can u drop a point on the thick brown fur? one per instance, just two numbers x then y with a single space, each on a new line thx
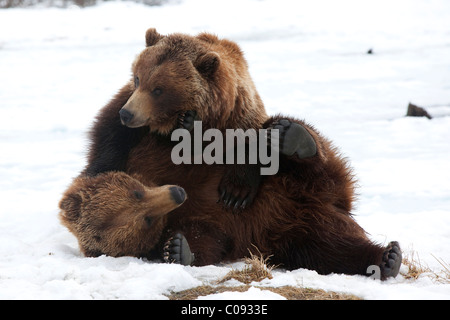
178 73
173 75
301 216
115 214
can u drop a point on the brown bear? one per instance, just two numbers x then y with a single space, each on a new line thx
301 215
176 79
116 215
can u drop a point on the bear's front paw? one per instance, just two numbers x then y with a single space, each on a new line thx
294 138
239 186
186 119
176 250
392 259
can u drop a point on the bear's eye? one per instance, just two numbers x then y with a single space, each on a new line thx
148 221
138 194
157 92
136 82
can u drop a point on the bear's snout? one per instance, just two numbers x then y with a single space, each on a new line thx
125 116
178 194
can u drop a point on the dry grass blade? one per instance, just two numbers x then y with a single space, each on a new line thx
416 269
446 272
256 269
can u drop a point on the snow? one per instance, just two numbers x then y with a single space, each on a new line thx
308 59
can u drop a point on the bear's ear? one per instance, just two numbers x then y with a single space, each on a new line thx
70 206
207 64
152 37
208 37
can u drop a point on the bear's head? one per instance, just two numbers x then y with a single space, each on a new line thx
179 73
116 215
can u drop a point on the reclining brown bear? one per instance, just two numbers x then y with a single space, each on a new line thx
301 215
115 214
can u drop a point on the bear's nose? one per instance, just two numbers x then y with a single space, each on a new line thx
178 194
125 116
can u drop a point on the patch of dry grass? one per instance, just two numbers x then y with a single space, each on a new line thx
416 268
445 273
296 293
194 293
256 269
289 292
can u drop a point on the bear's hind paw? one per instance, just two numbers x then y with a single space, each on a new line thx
392 259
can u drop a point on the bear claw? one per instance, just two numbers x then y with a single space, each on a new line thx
236 203
176 250
239 187
294 138
186 119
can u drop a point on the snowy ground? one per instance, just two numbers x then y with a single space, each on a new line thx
58 67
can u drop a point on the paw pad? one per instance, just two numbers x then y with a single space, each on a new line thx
176 250
294 138
391 261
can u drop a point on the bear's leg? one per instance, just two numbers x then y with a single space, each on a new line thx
110 141
335 243
239 184
209 247
347 255
202 240
294 138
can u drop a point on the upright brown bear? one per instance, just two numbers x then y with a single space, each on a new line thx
301 216
176 79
